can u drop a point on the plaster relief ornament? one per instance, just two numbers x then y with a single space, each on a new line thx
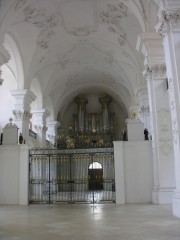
172 104
40 19
114 13
82 31
19 4
165 134
168 20
62 61
112 17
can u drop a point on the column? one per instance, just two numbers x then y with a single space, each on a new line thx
105 102
163 156
169 28
21 112
4 58
81 103
40 125
52 131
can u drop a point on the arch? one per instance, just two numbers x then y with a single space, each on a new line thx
50 108
64 101
36 89
16 60
95 165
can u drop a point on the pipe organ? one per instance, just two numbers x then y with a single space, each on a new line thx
90 129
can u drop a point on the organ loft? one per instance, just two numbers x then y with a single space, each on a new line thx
89 130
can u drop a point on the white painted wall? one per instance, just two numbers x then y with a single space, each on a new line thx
136 181
138 172
14 174
133 173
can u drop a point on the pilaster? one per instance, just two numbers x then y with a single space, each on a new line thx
163 157
21 112
169 28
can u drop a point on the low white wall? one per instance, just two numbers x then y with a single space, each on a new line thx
133 173
137 174
14 174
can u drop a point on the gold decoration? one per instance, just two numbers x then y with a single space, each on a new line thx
69 142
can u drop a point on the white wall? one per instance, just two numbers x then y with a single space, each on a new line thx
138 172
14 174
133 173
135 158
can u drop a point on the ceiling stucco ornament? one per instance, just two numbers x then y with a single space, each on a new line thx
112 17
62 61
20 3
40 19
114 13
168 20
76 23
109 58
81 31
122 39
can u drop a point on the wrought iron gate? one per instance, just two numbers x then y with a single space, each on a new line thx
71 176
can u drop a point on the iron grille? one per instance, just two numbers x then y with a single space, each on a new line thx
71 176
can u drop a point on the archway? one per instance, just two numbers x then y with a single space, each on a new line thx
95 176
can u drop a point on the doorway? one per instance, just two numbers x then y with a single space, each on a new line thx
95 176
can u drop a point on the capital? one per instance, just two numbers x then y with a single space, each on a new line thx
168 20
22 115
156 71
40 128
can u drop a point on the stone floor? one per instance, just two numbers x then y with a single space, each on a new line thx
87 222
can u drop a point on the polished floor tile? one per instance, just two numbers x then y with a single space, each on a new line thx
87 222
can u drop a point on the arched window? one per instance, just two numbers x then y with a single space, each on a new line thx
95 165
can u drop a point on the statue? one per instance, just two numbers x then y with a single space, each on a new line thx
146 134
20 138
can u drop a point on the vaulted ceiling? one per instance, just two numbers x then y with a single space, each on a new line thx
68 47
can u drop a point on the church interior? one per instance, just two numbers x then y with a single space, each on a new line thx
90 116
